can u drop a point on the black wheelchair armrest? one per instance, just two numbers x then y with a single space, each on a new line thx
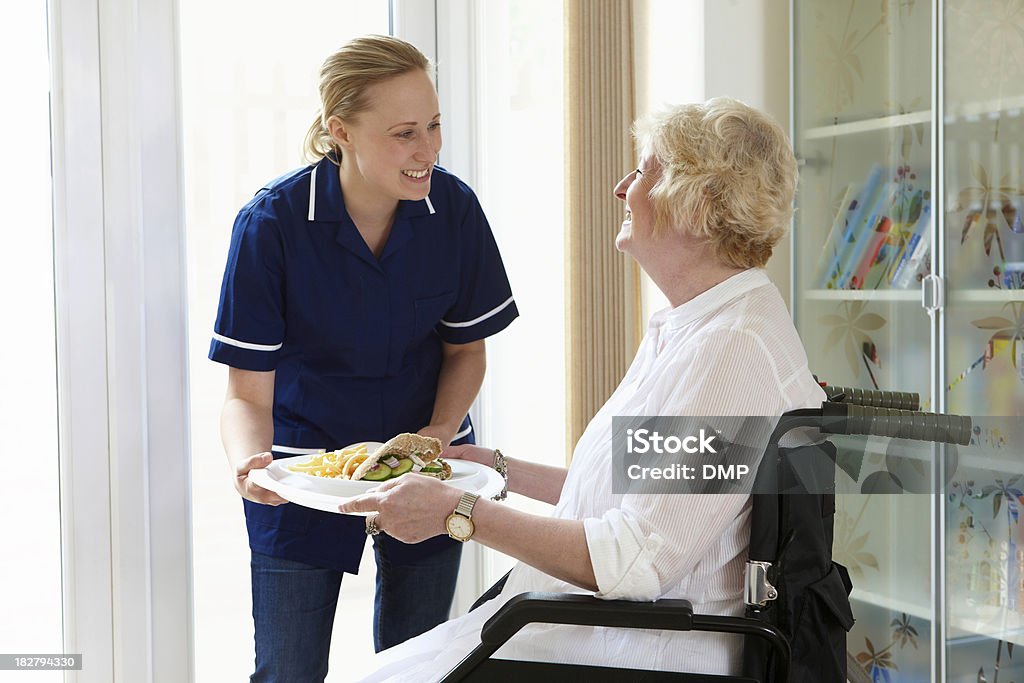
586 610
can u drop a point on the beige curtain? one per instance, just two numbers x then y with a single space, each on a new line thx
603 289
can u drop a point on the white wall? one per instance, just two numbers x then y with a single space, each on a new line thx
746 56
690 50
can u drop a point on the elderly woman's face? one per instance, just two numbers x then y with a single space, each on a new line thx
634 189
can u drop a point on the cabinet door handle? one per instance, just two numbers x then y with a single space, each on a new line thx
931 292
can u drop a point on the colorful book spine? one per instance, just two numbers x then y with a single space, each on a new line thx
915 251
864 233
1013 250
834 241
871 255
855 216
903 230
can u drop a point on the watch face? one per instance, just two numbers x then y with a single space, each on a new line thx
460 527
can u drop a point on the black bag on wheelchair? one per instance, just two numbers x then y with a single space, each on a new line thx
792 581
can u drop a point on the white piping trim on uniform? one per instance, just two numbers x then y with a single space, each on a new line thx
297 451
312 195
463 433
485 316
430 207
247 345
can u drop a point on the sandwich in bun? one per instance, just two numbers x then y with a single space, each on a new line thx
404 453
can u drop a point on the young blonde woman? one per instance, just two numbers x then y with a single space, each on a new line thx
356 299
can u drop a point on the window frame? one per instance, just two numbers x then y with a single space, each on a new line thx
121 345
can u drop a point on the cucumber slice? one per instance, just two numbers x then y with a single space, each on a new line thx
378 472
403 466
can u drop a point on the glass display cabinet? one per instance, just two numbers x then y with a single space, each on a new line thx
908 274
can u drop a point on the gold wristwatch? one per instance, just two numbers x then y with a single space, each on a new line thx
460 522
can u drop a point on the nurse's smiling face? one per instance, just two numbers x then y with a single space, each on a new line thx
389 149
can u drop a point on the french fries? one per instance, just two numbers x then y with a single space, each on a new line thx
334 464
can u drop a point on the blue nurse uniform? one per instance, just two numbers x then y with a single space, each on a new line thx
355 341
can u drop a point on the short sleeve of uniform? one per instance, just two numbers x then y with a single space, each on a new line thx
249 330
485 304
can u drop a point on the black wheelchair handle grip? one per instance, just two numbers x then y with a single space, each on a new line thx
843 418
900 400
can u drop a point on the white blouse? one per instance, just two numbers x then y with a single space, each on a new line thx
729 351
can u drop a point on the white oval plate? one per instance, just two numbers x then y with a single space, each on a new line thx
323 493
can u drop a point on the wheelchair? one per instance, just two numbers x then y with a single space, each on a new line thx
797 608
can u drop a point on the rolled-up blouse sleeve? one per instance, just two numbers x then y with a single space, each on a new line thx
641 550
647 545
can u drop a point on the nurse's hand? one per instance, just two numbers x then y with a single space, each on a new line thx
478 454
410 508
249 490
445 434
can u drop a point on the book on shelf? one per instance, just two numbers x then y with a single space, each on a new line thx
881 233
836 234
908 213
915 251
1012 275
864 233
898 225
876 241
853 216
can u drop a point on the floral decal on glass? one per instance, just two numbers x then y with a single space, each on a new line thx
907 135
879 663
1008 331
849 546
992 204
903 632
984 558
995 31
839 64
850 332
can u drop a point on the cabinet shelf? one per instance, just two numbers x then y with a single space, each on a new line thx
998 623
956 296
868 125
990 622
969 112
986 295
894 604
973 111
863 295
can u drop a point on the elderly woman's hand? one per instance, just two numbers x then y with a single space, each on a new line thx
411 508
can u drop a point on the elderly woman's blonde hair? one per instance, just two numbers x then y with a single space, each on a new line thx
728 177
345 77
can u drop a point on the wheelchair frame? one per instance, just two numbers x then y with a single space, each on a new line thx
847 411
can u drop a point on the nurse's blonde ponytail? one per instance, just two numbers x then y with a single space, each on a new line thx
345 77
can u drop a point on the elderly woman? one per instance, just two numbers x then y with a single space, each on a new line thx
710 199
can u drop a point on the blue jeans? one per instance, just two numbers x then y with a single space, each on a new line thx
293 606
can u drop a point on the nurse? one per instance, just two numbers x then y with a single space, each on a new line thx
356 299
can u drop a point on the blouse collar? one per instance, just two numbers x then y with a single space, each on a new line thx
711 300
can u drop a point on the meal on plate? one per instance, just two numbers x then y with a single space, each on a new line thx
400 455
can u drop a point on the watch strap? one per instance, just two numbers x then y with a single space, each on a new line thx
466 503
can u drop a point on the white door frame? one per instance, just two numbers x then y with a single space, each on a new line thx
121 340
